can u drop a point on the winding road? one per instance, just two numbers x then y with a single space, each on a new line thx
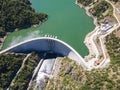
101 39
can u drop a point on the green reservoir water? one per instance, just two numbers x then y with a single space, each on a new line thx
66 20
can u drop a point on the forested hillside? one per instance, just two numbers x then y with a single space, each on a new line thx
85 2
9 65
113 47
23 78
17 14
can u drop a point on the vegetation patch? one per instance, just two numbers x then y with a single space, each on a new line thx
23 78
113 47
70 77
118 33
101 10
85 2
9 65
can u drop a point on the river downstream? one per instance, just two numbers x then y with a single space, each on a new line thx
67 21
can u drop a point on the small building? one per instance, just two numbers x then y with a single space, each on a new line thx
105 28
97 62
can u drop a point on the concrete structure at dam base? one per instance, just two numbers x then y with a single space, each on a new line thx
47 44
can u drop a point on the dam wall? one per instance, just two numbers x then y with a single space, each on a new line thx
47 44
42 45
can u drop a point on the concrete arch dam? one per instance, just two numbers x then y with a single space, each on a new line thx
47 44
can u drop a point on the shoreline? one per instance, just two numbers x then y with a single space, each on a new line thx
15 30
94 55
88 13
86 40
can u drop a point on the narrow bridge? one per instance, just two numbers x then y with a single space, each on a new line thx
47 44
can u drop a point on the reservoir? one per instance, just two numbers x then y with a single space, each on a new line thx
66 21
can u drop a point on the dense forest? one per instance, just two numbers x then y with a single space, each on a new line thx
85 2
22 80
17 14
72 77
9 65
113 47
100 10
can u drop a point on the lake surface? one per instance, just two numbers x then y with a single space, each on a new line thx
66 20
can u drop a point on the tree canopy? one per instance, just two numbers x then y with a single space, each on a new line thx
85 2
17 14
9 65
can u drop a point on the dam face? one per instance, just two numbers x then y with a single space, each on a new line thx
44 44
